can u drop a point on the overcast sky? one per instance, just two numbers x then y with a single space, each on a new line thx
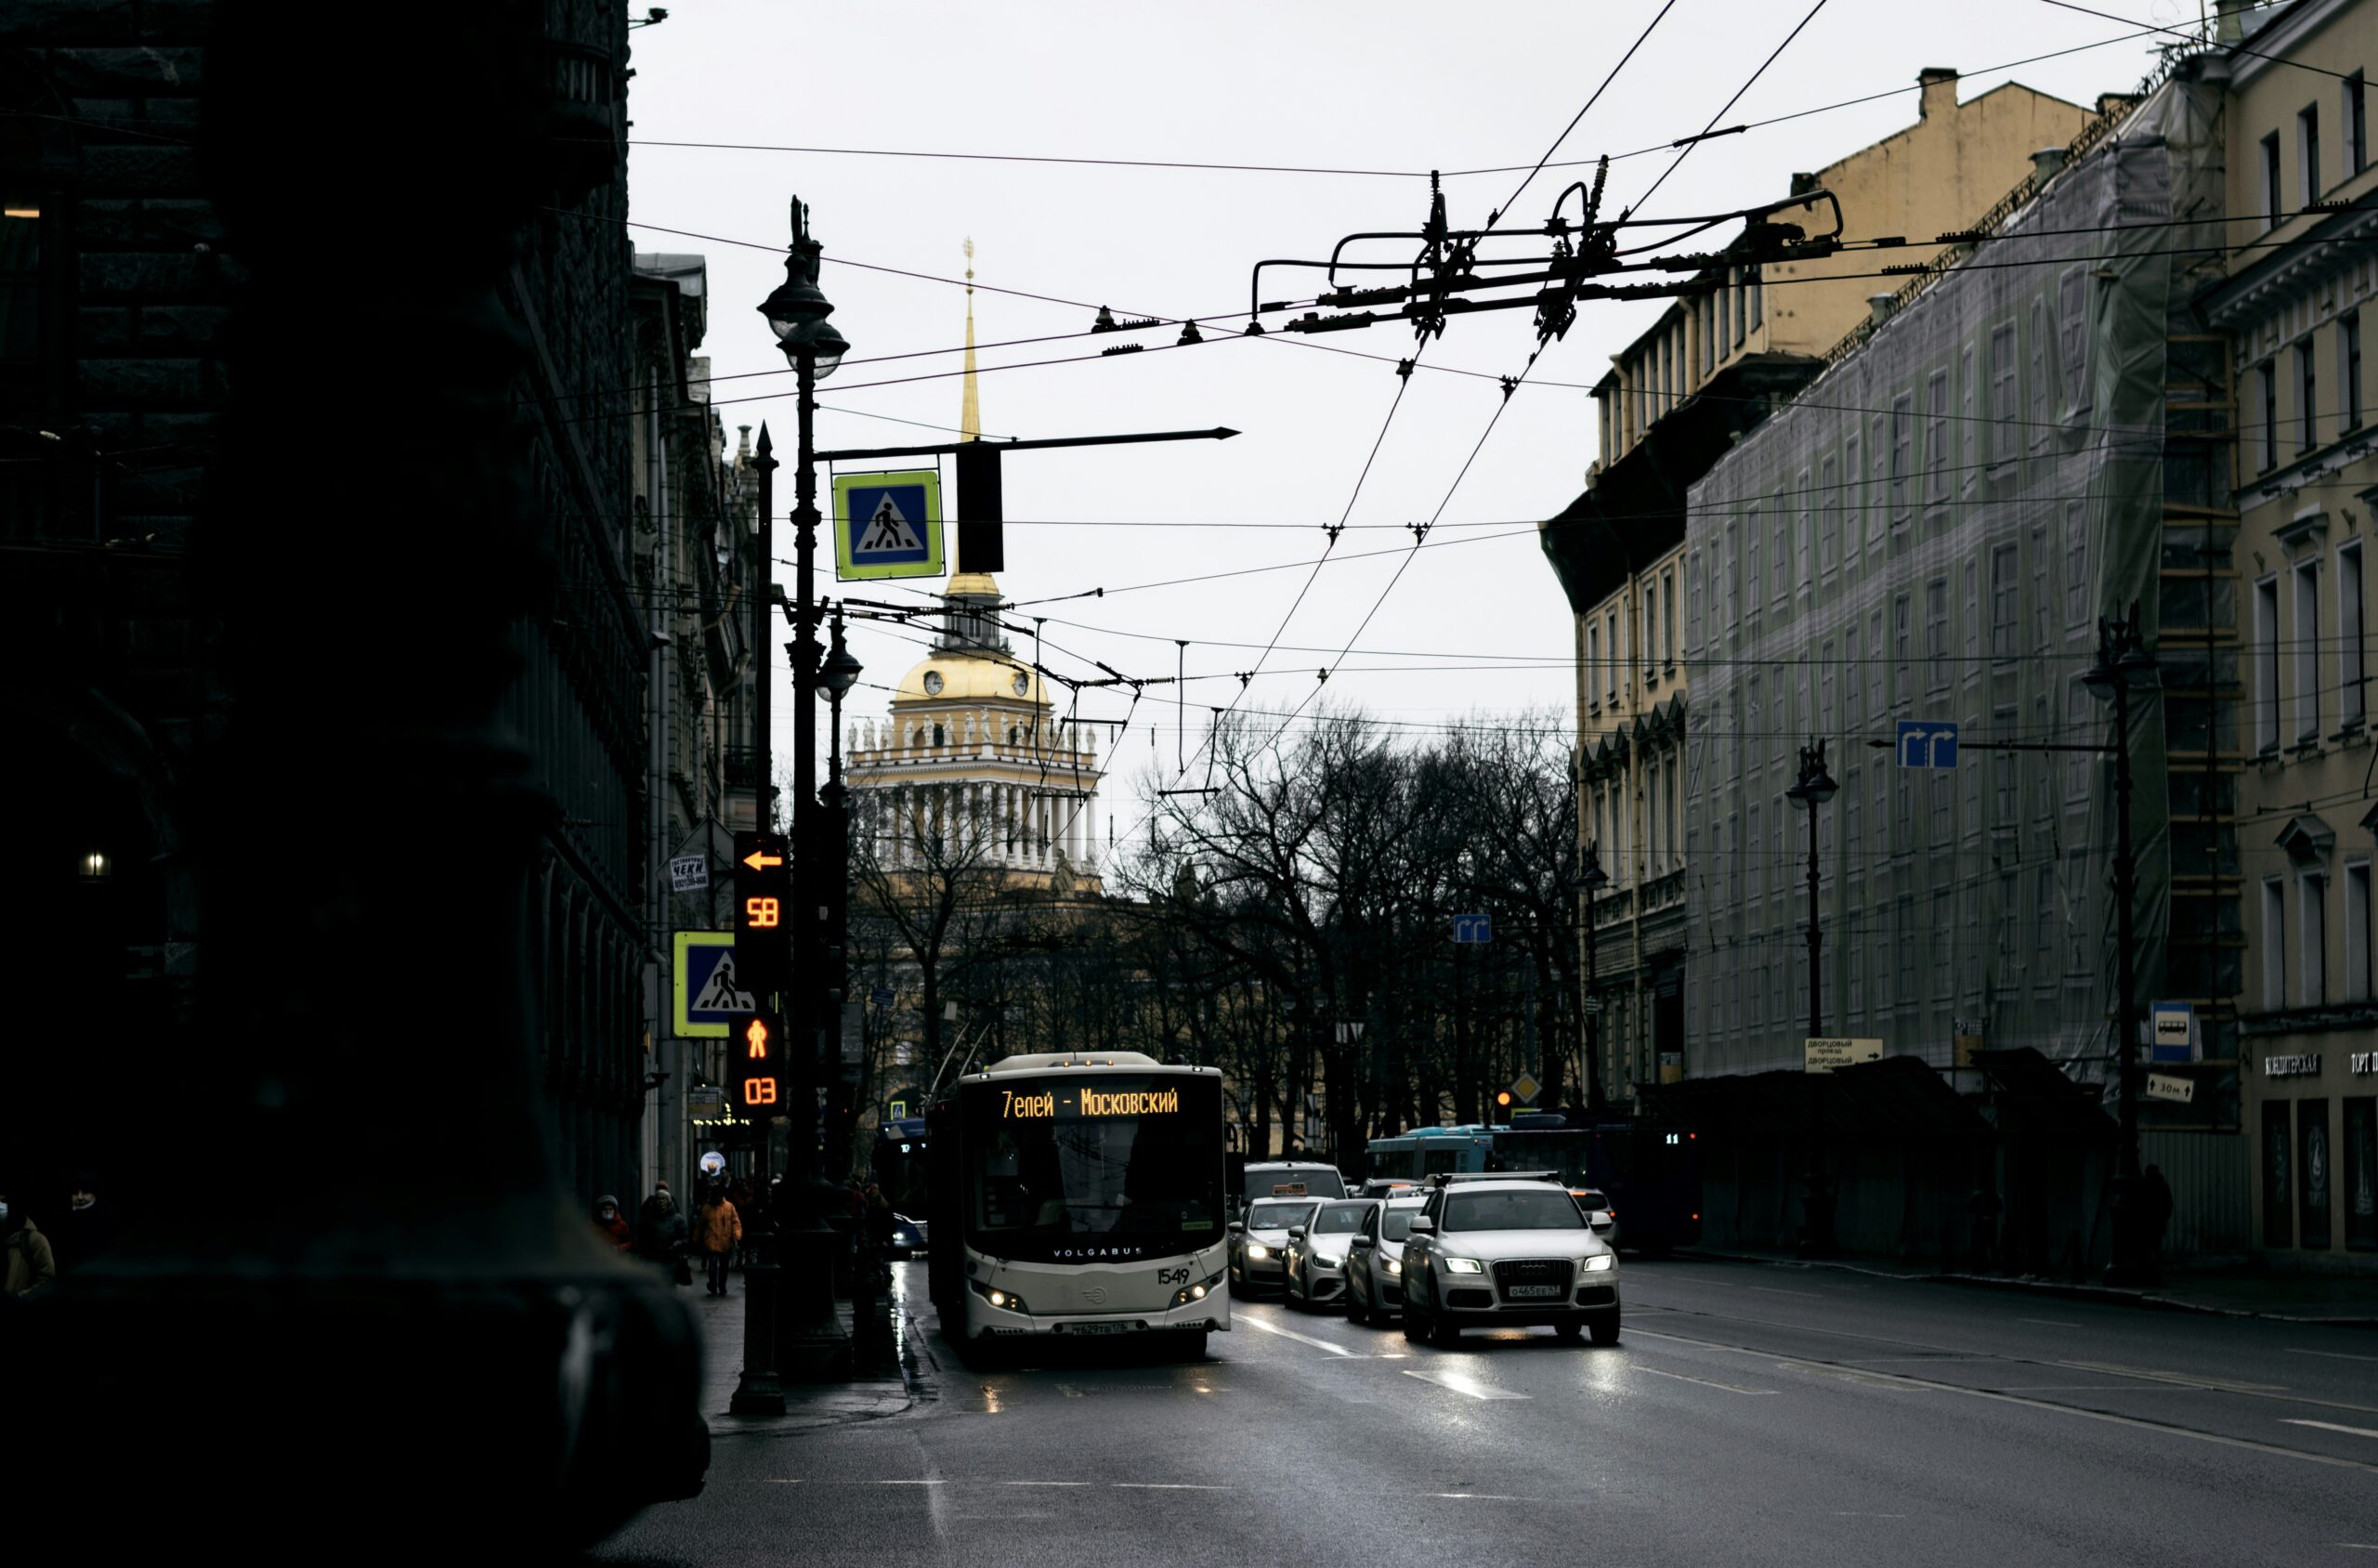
1476 621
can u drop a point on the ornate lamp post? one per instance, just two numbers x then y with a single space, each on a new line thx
796 312
1813 788
1593 879
2123 663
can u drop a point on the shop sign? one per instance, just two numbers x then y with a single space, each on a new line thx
2364 1063
2304 1064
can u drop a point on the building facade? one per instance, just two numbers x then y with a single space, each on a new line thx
2301 283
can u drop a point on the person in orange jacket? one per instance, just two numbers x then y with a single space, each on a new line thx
717 1227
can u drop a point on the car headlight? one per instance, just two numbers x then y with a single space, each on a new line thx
1464 1265
1601 1261
1330 1259
1257 1252
1394 1265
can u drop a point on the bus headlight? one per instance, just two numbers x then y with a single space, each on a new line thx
1004 1300
1601 1262
1197 1292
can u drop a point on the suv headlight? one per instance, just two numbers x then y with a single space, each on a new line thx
1601 1261
1464 1265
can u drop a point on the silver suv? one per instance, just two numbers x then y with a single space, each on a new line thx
1507 1251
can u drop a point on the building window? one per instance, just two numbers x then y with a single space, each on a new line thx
2357 932
1734 573
2279 1170
1850 677
1902 455
1616 652
2267 454
2353 655
1752 288
2306 397
1936 440
1972 443
2004 598
1751 569
2312 1172
1973 619
1668 618
2006 803
1902 688
2001 393
2267 665
1593 662
938 739
1852 501
1808 527
2073 343
2039 376
2307 151
2306 632
1877 700
1653 649
2271 200
2350 370
2040 612
1778 562
2356 126
1877 451
2076 563
1936 633
2274 945
2312 939
1824 690
1694 571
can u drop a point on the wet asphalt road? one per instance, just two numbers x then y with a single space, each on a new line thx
1750 1415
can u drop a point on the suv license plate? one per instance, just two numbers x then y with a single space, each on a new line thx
1532 1290
1098 1328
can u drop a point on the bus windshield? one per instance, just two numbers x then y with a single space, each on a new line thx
1075 1167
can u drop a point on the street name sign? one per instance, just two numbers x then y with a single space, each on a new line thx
1473 928
690 873
2171 1086
887 525
1928 743
1824 1055
709 998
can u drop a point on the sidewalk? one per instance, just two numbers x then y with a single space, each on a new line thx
807 1406
2342 1301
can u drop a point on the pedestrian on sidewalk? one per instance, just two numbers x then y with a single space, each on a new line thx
717 1228
89 1227
32 1268
611 1224
660 1234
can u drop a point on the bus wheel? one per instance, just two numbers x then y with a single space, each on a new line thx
1192 1346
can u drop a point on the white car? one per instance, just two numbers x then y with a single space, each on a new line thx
1259 1244
1375 1262
1598 1213
1316 1261
1499 1253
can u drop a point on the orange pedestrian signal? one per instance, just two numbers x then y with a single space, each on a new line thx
756 1039
758 1077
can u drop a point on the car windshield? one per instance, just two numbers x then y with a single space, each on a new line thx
1547 1209
1340 1219
1277 1216
1396 1223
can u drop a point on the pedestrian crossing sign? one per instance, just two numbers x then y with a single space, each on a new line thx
709 1001
887 525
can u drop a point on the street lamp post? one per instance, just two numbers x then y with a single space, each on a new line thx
1813 788
1593 879
840 671
2123 662
796 312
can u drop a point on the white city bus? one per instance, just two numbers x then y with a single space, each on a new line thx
1076 1194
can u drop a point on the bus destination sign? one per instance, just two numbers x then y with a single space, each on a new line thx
1049 1104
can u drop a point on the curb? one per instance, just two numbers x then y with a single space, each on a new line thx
2033 1286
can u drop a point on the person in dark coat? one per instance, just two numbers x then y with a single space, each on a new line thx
611 1224
90 1227
32 1267
660 1231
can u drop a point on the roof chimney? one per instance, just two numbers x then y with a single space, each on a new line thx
2231 27
2046 164
1939 90
1880 305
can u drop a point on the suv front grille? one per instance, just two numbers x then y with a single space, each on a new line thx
1532 1279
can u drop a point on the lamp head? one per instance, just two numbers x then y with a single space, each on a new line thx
816 340
1593 879
841 671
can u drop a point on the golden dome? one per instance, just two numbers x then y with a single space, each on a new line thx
969 678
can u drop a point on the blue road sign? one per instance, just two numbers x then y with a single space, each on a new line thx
1928 743
887 525
2172 1034
709 1001
1473 928
880 997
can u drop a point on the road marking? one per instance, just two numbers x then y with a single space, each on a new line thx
1854 1513
1474 1497
1292 1334
1771 1290
780 1481
1069 1391
2051 1322
2331 1425
1461 1382
1165 1487
2332 1355
1046 1483
1705 1383
2186 1380
2000 1397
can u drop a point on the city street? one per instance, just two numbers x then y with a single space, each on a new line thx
1751 1414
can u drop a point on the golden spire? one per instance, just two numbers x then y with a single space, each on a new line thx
970 416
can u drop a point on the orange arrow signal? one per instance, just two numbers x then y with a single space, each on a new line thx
760 859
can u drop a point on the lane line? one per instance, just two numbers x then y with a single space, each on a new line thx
1046 1483
1771 1290
2000 1397
2329 1426
1292 1334
1165 1487
2051 1322
906 1483
2189 1379
1474 1497
1461 1382
1705 1383
2332 1355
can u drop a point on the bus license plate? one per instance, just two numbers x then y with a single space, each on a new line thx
1098 1328
1518 1291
